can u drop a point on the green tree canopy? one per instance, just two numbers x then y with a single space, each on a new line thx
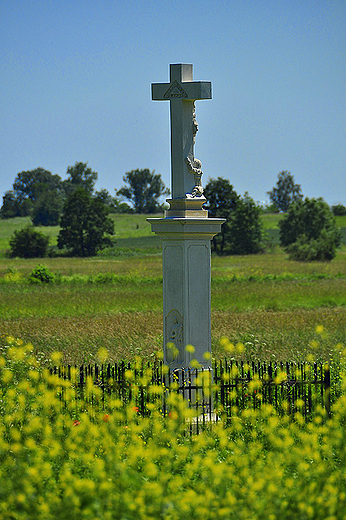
47 209
339 210
28 188
242 231
80 176
245 235
285 192
113 203
12 207
222 200
85 224
32 183
144 190
308 231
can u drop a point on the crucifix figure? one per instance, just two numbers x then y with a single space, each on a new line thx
182 92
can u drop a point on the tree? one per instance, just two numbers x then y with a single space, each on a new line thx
32 183
144 190
285 191
221 202
242 233
308 231
47 209
113 203
29 187
80 176
84 224
339 210
246 227
28 243
11 207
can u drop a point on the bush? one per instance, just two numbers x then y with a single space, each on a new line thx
305 250
41 274
339 210
28 243
13 275
308 231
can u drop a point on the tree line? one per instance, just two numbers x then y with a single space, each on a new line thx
41 195
307 230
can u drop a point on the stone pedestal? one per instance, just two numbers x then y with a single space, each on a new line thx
186 280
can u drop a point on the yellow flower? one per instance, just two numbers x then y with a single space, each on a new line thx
102 354
194 364
226 344
7 376
240 348
56 357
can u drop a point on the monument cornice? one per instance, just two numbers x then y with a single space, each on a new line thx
186 228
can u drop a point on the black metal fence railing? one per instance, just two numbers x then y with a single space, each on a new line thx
228 387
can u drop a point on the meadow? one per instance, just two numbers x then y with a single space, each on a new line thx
270 304
64 459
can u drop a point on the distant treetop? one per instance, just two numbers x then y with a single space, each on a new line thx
285 192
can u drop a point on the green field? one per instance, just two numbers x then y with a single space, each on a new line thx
270 304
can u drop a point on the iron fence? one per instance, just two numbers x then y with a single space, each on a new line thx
223 390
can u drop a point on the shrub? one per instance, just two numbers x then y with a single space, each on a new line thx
28 243
41 274
322 248
339 210
308 231
13 275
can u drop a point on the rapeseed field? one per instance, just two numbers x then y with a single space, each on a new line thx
60 462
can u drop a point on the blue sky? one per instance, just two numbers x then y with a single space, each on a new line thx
75 86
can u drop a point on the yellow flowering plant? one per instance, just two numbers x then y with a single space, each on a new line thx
60 459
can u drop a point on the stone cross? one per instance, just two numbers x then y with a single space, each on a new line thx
186 230
182 92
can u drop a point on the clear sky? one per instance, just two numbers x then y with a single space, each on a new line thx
75 86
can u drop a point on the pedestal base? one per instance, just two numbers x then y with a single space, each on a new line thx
186 288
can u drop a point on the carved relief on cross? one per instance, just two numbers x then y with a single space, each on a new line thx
182 92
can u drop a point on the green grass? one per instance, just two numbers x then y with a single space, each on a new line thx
133 233
271 220
129 230
268 302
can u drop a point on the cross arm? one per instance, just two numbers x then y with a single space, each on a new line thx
188 90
